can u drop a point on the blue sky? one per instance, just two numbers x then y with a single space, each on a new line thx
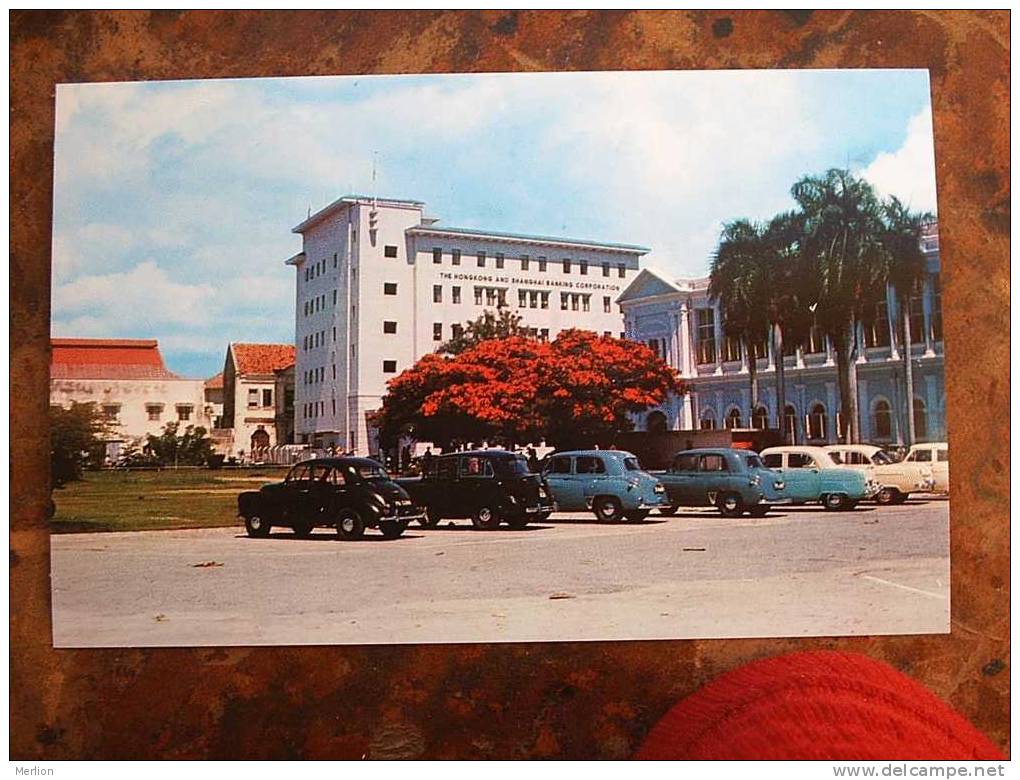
174 200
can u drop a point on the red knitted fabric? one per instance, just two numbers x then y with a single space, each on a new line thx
815 705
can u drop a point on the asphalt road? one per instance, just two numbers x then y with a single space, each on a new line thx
799 571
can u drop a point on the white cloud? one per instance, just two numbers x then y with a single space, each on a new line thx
909 172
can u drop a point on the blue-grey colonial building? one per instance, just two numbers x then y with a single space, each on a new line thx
677 320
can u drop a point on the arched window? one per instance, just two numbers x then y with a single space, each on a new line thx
733 418
790 415
656 422
708 420
881 419
818 422
760 418
920 420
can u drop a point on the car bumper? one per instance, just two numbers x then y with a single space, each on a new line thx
407 514
540 509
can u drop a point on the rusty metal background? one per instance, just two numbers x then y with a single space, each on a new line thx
524 700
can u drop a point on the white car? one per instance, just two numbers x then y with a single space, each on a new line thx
897 480
936 455
812 474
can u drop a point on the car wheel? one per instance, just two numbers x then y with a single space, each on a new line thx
430 520
730 505
485 518
760 510
835 502
668 511
517 523
349 525
607 509
636 517
257 526
888 495
393 529
542 516
902 498
303 530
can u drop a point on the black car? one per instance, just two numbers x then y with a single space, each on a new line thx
489 486
349 494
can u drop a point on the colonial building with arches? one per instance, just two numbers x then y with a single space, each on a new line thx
679 322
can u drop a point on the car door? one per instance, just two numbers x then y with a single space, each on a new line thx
443 493
681 479
921 458
940 468
713 479
318 493
295 493
591 478
560 478
475 480
801 473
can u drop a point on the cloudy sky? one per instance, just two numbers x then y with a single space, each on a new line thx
174 200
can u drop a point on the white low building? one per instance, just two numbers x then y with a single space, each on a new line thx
129 383
250 391
379 285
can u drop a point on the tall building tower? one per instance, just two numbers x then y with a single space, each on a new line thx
379 285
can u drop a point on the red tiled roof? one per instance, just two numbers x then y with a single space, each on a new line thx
107 359
214 382
262 358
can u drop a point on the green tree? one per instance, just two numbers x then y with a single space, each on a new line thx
192 448
842 248
905 270
76 440
499 324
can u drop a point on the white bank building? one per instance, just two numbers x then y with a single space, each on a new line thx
379 285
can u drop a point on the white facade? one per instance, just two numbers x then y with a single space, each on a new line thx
379 286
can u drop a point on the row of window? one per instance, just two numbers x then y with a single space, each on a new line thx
316 340
111 412
260 398
499 259
319 268
816 422
314 376
317 304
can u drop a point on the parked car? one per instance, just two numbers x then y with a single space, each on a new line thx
896 479
734 480
810 474
610 483
349 494
935 454
489 486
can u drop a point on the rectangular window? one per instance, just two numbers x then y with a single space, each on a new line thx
437 331
573 302
522 298
731 349
267 398
525 261
389 366
705 319
154 411
585 303
334 297
936 307
389 288
605 269
184 413
478 296
566 265
253 398
455 256
499 260
490 296
456 294
335 260
437 293
917 315
876 332
533 300
481 259
564 301
583 267
621 270
544 334
389 326
544 297
457 330
607 304
437 255
389 251
541 264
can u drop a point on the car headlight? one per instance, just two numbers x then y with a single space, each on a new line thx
542 492
659 487
779 484
755 480
632 483
512 499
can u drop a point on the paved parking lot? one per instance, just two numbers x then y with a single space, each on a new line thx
799 571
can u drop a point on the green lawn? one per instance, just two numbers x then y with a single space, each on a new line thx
151 500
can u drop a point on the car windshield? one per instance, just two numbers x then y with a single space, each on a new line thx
881 458
631 464
837 457
514 467
754 462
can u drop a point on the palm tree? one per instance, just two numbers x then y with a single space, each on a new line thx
842 243
905 270
738 281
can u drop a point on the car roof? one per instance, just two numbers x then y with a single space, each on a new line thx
924 444
341 461
871 449
482 453
715 451
811 448
593 453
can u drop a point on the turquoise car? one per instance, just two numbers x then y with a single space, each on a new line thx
610 483
811 474
735 481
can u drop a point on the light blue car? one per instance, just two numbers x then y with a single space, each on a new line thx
811 474
610 483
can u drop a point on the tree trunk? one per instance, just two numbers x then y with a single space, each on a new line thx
908 372
777 346
752 373
842 345
854 424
